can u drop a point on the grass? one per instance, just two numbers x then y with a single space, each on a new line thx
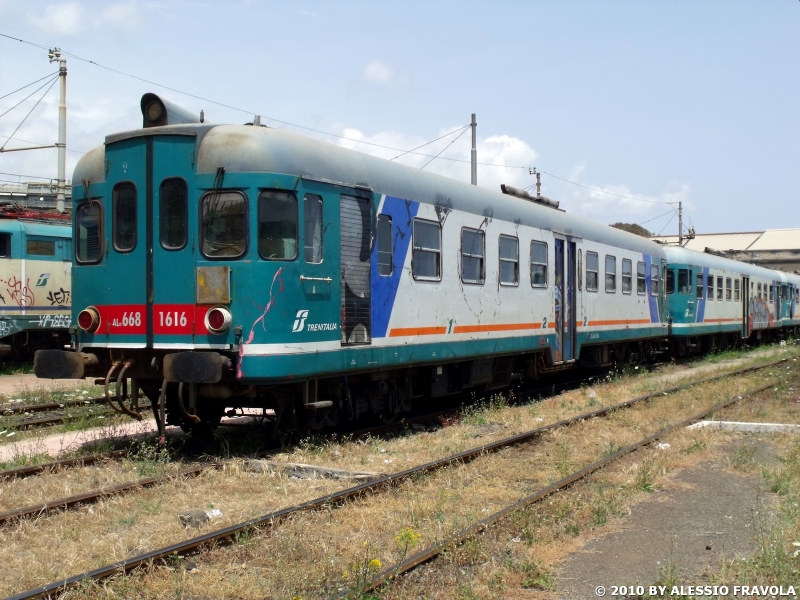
777 558
307 555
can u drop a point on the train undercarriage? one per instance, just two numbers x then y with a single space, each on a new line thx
195 390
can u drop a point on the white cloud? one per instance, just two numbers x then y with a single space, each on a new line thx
509 157
615 202
72 18
379 74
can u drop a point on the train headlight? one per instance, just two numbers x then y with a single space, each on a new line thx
154 111
89 319
218 319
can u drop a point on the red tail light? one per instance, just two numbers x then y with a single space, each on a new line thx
218 319
89 319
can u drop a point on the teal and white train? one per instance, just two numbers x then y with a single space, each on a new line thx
223 266
35 286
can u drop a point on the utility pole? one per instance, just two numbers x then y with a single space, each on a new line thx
474 156
680 224
55 55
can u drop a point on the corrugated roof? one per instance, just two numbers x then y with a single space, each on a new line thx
778 239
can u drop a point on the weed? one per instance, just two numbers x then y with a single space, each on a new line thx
696 445
536 577
564 458
572 529
743 457
646 475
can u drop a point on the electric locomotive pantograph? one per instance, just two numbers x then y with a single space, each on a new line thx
219 267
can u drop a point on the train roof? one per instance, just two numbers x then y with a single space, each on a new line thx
242 148
40 228
678 255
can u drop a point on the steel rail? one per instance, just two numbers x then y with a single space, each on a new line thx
38 422
431 552
271 519
97 495
22 472
14 410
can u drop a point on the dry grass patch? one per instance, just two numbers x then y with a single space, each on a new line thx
325 552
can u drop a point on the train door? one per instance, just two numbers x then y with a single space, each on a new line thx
356 249
150 241
564 299
745 307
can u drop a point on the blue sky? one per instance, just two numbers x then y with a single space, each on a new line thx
660 101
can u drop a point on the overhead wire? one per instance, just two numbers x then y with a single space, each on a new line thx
8 137
28 85
30 111
23 175
31 94
658 217
668 222
321 132
443 149
427 143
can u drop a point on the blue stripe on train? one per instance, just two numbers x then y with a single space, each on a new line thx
701 302
652 300
384 287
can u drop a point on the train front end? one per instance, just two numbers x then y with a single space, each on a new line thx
158 251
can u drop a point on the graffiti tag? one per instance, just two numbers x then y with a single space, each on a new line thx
55 321
61 297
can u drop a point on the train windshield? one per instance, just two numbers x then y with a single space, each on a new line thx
670 281
224 224
89 231
277 226
683 281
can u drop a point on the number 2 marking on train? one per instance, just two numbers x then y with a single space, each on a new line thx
544 323
585 321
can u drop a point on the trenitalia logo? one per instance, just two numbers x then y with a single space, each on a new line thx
299 321
300 324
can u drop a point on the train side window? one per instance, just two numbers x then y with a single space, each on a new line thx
627 276
641 278
580 269
539 264
719 288
683 281
426 260
611 274
759 290
123 216
472 253
728 289
312 235
710 284
173 214
654 280
509 260
770 292
699 286
591 271
5 245
89 232
736 291
277 225
34 247
223 224
384 245
670 281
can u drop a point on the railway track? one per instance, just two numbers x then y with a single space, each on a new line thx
383 483
431 552
94 496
